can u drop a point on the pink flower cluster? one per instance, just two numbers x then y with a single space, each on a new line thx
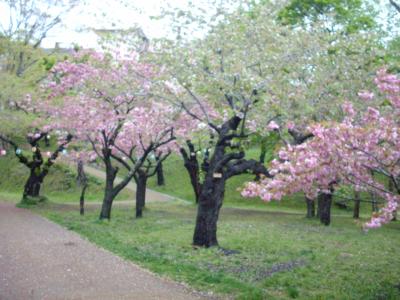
98 100
343 153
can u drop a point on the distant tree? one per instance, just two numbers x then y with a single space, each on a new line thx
40 163
350 16
28 23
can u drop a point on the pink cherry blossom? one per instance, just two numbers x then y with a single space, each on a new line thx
272 126
366 95
345 152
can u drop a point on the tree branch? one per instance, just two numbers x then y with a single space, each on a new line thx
243 165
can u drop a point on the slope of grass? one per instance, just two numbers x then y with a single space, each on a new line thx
275 255
59 184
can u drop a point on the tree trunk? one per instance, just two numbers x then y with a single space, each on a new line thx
324 207
82 182
107 205
310 208
141 183
109 193
374 202
210 202
357 202
193 170
319 206
34 183
261 160
82 201
192 166
392 189
160 174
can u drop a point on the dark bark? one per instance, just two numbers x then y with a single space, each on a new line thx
109 192
222 166
298 138
392 189
319 207
210 203
192 167
261 159
107 205
82 182
310 207
37 166
357 202
141 182
160 174
82 200
47 141
324 207
374 202
34 183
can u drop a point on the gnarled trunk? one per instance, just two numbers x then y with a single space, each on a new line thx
160 174
141 182
357 202
310 208
193 169
107 205
109 193
192 166
34 183
324 207
210 203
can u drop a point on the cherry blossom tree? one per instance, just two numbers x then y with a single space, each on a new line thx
222 113
347 152
106 102
40 163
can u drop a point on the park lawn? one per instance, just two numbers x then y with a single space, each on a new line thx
178 185
59 185
268 254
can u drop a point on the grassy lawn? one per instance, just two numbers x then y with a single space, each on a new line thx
275 255
59 185
271 250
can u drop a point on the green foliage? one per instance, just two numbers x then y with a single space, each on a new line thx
353 15
48 63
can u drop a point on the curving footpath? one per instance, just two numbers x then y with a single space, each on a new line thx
151 195
41 260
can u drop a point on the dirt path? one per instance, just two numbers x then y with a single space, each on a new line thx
41 260
151 195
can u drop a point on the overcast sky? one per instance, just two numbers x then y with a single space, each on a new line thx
108 14
103 14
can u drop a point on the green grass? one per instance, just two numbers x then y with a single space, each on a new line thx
59 185
278 254
281 255
178 185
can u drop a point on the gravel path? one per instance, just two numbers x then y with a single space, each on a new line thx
41 260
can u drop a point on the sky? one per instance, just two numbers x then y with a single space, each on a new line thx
105 14
109 14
